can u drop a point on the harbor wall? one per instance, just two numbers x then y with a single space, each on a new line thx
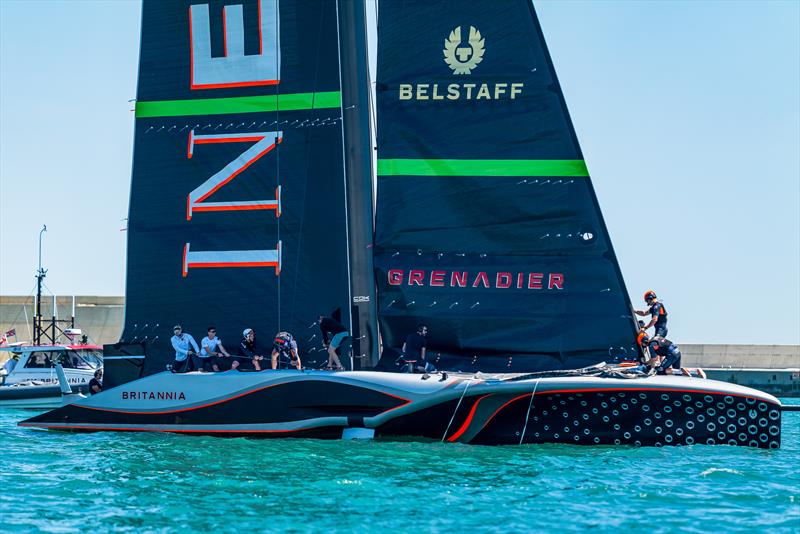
774 369
100 318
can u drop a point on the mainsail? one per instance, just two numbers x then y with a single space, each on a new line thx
237 210
487 226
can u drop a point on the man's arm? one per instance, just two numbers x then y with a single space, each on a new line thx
654 311
297 359
193 343
222 349
641 313
422 352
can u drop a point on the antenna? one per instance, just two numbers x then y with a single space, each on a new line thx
40 274
39 330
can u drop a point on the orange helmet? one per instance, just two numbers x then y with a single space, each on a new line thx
643 339
649 294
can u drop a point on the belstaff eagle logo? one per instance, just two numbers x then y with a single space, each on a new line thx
462 59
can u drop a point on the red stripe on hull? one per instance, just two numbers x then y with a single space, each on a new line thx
468 420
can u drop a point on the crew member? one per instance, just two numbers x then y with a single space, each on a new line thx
185 346
415 349
249 351
333 334
212 353
657 312
96 383
666 356
285 347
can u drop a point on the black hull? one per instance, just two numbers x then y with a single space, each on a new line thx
493 410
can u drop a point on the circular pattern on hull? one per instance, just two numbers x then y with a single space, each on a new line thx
643 418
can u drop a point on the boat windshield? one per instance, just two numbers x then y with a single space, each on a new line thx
69 359
91 358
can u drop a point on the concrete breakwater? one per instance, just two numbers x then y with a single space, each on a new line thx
774 369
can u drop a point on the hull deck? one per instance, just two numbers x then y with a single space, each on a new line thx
479 409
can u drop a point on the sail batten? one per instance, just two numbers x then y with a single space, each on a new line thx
481 167
242 104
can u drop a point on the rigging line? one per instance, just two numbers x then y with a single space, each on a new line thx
469 381
278 151
23 309
528 413
27 322
344 170
373 113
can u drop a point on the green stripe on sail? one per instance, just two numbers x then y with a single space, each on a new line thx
482 167
241 104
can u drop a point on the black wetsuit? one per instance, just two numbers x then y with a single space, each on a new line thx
660 312
247 352
669 352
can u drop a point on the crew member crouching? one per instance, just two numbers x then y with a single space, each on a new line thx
284 351
666 356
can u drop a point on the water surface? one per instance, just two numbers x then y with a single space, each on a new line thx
145 482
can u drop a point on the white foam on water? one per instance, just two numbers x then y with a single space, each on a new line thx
720 470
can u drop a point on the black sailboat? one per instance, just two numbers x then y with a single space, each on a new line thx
252 207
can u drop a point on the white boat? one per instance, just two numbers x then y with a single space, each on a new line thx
29 378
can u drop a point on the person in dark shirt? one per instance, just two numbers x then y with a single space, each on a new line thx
284 351
249 352
415 349
666 356
657 312
333 334
96 383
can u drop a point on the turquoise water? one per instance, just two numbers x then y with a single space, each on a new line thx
62 482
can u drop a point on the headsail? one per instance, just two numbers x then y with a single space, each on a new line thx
237 214
487 226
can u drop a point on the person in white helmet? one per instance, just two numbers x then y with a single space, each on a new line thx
250 354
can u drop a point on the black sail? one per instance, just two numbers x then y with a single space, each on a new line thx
488 229
237 214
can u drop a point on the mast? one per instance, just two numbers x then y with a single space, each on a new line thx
354 78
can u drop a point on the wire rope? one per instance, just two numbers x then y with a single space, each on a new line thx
469 381
528 413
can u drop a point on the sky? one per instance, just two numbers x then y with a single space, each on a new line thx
688 114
